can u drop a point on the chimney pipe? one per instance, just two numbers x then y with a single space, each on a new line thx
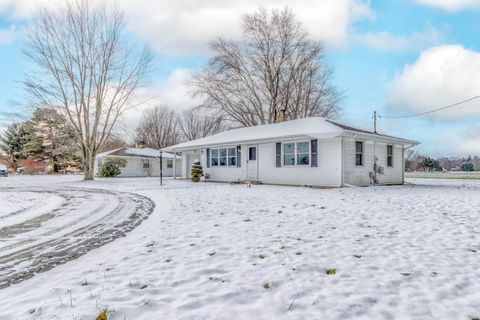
282 116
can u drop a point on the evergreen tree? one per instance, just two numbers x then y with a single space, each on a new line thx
197 171
14 139
57 138
467 166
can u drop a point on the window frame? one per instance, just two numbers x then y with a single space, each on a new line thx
390 156
361 153
227 157
296 153
169 164
145 161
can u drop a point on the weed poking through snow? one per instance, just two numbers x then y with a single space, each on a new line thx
331 272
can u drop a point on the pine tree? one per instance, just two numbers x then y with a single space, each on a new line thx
14 139
197 171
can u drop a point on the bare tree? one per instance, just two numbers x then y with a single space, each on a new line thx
86 70
198 123
274 67
158 127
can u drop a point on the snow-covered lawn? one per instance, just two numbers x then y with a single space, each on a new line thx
219 251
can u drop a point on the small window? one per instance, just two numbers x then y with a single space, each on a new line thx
146 163
232 156
359 153
289 154
389 156
169 164
223 157
252 153
303 153
214 159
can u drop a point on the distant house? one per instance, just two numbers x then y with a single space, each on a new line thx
312 151
141 162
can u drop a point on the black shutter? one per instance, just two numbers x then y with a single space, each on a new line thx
208 158
239 156
278 154
314 151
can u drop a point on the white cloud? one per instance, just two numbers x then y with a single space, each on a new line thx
187 26
7 35
386 41
441 76
450 5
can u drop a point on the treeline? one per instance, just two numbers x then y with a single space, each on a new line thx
162 126
415 162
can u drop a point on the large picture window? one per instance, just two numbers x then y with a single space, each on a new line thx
359 153
389 156
296 153
223 157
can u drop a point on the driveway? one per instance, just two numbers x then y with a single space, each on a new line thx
44 227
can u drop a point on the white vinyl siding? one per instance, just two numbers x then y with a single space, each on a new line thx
359 175
328 172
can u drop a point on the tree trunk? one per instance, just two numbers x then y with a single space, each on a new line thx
88 167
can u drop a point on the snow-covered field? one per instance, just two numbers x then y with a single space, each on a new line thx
219 251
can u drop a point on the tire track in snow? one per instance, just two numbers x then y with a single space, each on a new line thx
87 219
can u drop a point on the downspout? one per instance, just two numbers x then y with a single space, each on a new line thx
174 164
342 163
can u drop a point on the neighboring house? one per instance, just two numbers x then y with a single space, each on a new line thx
311 151
141 162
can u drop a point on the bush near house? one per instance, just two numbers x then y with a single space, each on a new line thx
197 171
31 167
467 166
111 167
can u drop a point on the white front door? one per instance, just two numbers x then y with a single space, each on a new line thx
252 167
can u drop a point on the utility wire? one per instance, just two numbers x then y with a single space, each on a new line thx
431 111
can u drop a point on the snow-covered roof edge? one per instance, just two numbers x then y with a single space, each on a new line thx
315 127
137 153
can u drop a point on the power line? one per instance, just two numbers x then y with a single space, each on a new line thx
431 111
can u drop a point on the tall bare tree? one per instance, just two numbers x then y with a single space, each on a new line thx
158 127
198 123
273 67
85 69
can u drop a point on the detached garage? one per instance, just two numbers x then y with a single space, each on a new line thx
141 162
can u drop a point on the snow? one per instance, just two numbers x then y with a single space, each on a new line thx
315 127
145 152
209 249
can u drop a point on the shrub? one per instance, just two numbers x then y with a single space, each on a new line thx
197 171
111 167
31 166
467 166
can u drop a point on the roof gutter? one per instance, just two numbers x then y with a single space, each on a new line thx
405 141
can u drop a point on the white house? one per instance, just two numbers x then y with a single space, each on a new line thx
141 162
311 151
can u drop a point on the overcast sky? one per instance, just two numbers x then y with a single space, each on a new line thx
396 57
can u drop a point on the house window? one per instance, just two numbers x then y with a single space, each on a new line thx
359 153
224 157
146 163
169 164
389 156
252 153
296 153
303 153
214 155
